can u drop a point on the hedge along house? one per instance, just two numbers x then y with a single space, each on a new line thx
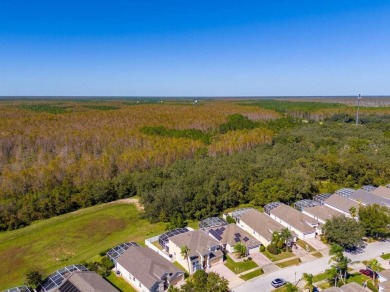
260 226
203 250
147 271
302 225
229 235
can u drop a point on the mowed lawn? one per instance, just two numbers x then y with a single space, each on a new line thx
69 239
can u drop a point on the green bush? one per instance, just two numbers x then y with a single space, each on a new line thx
230 219
262 248
104 252
273 249
107 263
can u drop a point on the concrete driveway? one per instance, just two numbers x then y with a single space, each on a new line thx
260 258
316 243
223 271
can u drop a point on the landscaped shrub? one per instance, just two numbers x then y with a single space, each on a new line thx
272 248
107 263
230 219
262 248
104 252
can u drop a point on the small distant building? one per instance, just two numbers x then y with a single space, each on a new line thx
341 204
85 281
321 213
203 250
302 225
147 271
229 235
383 192
260 226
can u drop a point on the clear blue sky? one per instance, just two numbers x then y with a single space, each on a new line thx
194 48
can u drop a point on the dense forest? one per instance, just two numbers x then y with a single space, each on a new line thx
182 159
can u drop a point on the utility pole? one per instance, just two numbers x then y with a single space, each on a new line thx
357 111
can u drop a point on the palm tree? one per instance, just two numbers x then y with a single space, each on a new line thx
352 211
184 251
240 249
332 274
285 235
309 281
374 266
291 288
336 251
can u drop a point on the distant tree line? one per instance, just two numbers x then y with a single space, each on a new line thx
300 161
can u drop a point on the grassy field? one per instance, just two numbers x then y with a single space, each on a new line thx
69 239
305 245
240 267
251 275
320 277
120 284
288 263
317 254
386 256
278 257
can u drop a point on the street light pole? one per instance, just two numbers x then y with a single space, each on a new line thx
357 111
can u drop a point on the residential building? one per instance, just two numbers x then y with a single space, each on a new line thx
350 287
147 271
302 225
85 281
260 226
203 250
321 213
383 192
384 280
367 198
341 204
229 235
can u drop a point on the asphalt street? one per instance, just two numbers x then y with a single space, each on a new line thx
294 273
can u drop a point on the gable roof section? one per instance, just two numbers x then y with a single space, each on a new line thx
147 266
382 192
352 287
231 234
197 241
341 203
85 282
294 218
385 274
261 223
369 198
322 212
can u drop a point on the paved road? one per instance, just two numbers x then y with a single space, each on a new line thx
290 274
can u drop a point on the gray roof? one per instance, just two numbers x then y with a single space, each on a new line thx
147 266
383 192
322 212
367 198
231 234
341 203
261 223
197 241
86 282
352 287
294 218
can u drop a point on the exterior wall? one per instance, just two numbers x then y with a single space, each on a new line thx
195 264
131 280
177 280
254 233
149 244
338 210
296 231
